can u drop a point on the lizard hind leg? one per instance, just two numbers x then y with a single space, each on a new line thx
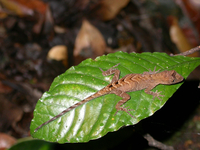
125 97
157 94
126 110
154 94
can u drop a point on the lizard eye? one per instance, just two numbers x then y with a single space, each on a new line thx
173 80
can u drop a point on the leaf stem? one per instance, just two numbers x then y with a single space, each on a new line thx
191 51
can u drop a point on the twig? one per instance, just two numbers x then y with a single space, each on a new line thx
152 142
191 51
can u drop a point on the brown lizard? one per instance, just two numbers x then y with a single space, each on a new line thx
129 83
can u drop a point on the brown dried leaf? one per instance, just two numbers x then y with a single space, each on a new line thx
16 7
58 53
178 37
6 141
110 8
24 7
191 8
90 40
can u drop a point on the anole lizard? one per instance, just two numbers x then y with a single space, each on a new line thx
129 83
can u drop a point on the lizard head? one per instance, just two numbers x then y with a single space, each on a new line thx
170 77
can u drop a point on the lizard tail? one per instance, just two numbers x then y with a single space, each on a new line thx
95 95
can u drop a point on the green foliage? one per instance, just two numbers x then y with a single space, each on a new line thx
31 144
96 118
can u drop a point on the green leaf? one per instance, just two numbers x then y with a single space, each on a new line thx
96 118
32 144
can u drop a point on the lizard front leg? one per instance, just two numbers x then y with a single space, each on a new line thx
125 97
155 94
110 71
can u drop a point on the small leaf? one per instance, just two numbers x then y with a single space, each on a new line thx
32 144
59 52
178 37
89 41
110 8
96 118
